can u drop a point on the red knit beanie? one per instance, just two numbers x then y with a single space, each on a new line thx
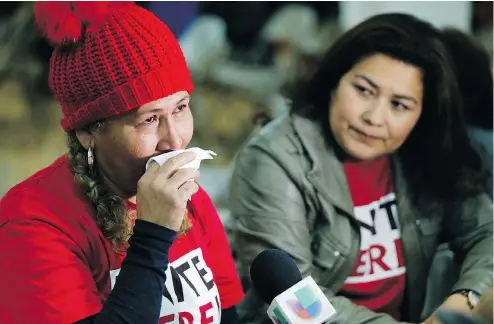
109 58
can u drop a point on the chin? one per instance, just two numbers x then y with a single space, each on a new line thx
362 152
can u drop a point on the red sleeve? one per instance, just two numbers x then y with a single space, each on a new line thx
43 277
221 263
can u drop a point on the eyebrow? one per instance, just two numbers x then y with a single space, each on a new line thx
375 86
183 99
155 110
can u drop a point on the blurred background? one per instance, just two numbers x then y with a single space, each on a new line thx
244 58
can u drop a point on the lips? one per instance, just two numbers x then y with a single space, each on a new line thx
365 135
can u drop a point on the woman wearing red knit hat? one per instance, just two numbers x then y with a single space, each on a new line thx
96 213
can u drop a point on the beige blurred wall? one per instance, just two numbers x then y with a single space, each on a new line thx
25 148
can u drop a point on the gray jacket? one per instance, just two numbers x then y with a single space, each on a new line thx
289 191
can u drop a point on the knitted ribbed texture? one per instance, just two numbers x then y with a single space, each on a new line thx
131 60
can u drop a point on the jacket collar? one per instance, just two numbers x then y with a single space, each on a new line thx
327 173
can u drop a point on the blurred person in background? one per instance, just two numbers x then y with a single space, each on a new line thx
246 21
368 173
482 24
96 214
474 73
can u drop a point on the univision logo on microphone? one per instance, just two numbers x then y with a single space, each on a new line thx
307 305
302 303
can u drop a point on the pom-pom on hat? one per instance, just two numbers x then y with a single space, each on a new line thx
109 58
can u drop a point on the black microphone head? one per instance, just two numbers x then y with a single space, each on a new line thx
272 272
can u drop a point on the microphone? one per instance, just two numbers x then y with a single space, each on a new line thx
292 300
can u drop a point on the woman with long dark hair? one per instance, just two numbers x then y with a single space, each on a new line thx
368 173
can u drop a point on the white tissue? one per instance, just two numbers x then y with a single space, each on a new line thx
200 155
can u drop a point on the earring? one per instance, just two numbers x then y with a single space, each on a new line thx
90 155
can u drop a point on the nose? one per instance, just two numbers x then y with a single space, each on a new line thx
373 115
169 137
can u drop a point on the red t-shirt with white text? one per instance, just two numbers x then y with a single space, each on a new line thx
378 279
57 267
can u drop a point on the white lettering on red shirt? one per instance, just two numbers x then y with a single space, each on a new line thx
190 294
378 278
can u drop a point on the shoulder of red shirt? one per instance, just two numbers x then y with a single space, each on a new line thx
45 195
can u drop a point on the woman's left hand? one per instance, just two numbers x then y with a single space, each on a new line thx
484 307
458 303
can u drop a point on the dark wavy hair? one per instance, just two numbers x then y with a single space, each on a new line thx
472 64
437 158
109 210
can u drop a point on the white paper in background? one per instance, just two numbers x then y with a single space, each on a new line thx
200 155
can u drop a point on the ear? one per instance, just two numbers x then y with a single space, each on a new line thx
84 138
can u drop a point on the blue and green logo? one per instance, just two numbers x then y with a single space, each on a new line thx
307 305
